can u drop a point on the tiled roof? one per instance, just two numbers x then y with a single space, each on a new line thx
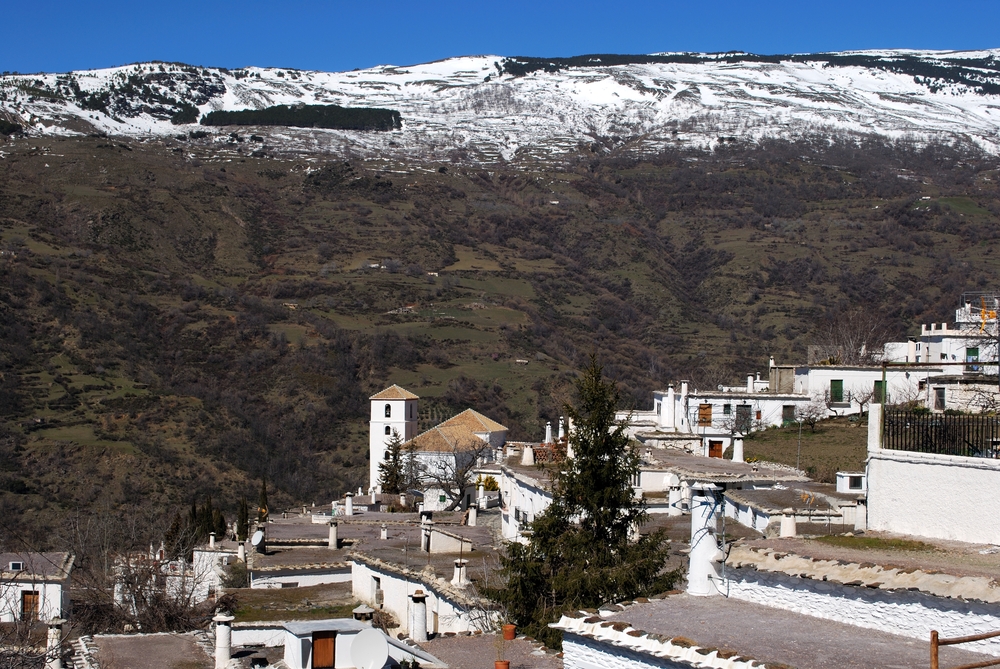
447 438
46 566
474 421
394 392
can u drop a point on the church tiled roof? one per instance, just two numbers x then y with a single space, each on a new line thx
474 421
457 433
394 392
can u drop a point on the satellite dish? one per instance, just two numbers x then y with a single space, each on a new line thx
369 649
257 537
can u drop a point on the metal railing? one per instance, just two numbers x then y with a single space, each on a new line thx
973 436
937 642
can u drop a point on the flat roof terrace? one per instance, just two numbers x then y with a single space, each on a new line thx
773 635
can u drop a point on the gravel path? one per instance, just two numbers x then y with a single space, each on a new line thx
473 652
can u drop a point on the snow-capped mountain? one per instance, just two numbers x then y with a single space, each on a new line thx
487 107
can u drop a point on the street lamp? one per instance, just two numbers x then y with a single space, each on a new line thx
798 451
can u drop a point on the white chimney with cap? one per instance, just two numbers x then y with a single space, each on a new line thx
705 556
548 432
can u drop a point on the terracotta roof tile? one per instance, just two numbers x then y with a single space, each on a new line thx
445 438
394 392
474 421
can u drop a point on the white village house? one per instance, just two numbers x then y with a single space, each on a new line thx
34 586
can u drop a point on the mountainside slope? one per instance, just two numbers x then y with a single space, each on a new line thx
487 108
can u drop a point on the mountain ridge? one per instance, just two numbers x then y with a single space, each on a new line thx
484 109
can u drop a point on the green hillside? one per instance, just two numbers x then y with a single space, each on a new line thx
173 324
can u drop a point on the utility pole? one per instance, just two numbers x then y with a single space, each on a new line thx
798 452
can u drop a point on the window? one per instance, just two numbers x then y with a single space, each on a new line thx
657 408
837 390
727 409
17 566
388 411
972 355
637 480
788 413
854 482
939 399
388 430
704 415
879 396
743 423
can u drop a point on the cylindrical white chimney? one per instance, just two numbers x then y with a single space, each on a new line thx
528 456
333 540
53 645
548 433
360 491
402 500
562 430
426 528
223 640
211 539
349 504
472 516
704 557
737 449
241 552
749 383
480 492
418 616
669 412
674 501
788 528
385 532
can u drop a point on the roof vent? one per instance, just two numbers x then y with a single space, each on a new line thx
17 566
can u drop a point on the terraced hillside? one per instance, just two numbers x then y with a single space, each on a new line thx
180 318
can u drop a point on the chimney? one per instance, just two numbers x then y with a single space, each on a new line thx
770 363
667 409
460 580
480 493
562 431
418 616
211 539
385 532
241 552
402 500
705 555
426 527
548 433
53 645
737 449
788 529
749 383
472 516
349 505
223 640
333 541
528 456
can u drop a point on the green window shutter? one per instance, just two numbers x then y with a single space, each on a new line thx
879 393
837 390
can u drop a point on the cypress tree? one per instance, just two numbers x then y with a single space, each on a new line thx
580 553
243 520
262 511
391 474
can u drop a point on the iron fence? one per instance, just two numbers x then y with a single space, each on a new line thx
973 436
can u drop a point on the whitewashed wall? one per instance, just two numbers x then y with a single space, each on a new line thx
443 615
910 614
930 495
580 652
52 600
520 494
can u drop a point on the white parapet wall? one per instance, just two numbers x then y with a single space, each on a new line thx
902 612
937 496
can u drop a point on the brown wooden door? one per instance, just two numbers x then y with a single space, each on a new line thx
323 650
715 449
29 605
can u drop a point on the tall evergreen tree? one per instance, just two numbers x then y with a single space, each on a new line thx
262 511
580 553
243 520
391 471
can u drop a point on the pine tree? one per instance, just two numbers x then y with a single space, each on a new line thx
391 474
580 553
262 512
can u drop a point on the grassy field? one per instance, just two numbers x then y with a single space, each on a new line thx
838 444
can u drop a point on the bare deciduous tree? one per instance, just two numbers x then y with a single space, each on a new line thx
452 470
853 337
812 413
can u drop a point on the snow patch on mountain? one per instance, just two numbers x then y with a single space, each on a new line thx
469 108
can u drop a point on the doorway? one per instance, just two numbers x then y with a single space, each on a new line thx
323 650
715 449
29 605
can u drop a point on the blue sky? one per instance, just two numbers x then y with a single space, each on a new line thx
59 36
